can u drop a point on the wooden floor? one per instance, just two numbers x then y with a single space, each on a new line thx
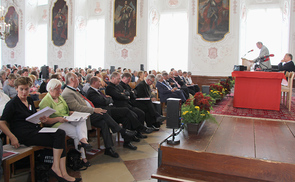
269 144
251 138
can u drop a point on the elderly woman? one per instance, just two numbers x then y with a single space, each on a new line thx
75 130
21 131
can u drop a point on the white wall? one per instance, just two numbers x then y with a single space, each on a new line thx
200 63
15 55
137 50
63 56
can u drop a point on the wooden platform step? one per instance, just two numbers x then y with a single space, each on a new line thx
177 165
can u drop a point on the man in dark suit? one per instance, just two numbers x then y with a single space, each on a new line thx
183 75
166 91
179 85
182 82
121 98
119 114
143 90
98 118
287 64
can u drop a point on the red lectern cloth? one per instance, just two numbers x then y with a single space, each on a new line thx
258 90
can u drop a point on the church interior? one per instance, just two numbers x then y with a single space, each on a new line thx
205 37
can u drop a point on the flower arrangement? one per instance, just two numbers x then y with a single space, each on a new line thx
197 109
217 91
227 85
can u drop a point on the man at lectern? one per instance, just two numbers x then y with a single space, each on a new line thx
287 64
263 58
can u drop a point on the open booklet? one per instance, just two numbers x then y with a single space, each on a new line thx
48 130
7 154
47 111
77 116
145 98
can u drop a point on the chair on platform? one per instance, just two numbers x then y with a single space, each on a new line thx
287 90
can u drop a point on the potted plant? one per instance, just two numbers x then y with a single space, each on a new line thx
227 85
217 91
196 111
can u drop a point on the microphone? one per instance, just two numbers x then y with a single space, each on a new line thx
270 55
266 56
248 52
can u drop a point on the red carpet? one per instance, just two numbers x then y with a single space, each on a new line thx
225 107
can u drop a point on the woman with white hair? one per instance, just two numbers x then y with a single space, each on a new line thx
75 130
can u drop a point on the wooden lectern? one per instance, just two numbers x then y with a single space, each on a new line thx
248 63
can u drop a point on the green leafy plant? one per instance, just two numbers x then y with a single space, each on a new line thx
197 109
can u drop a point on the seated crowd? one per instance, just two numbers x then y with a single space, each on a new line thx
114 106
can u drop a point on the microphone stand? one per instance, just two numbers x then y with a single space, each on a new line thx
246 53
261 62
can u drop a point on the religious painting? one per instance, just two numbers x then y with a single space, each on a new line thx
213 19
125 20
12 18
59 23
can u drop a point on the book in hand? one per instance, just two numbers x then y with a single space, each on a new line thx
77 116
145 98
48 130
34 118
92 151
7 154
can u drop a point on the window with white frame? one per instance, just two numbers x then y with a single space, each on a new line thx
266 25
95 42
36 46
173 41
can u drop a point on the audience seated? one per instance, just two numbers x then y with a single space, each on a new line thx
75 130
34 90
123 98
37 81
134 77
9 89
80 86
105 78
42 88
119 114
87 84
2 78
25 72
99 117
3 100
174 83
184 78
166 91
140 76
152 117
23 132
287 64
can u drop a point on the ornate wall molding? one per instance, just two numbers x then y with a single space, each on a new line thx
235 6
173 3
193 7
141 4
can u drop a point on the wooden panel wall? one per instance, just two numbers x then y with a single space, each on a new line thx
206 80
